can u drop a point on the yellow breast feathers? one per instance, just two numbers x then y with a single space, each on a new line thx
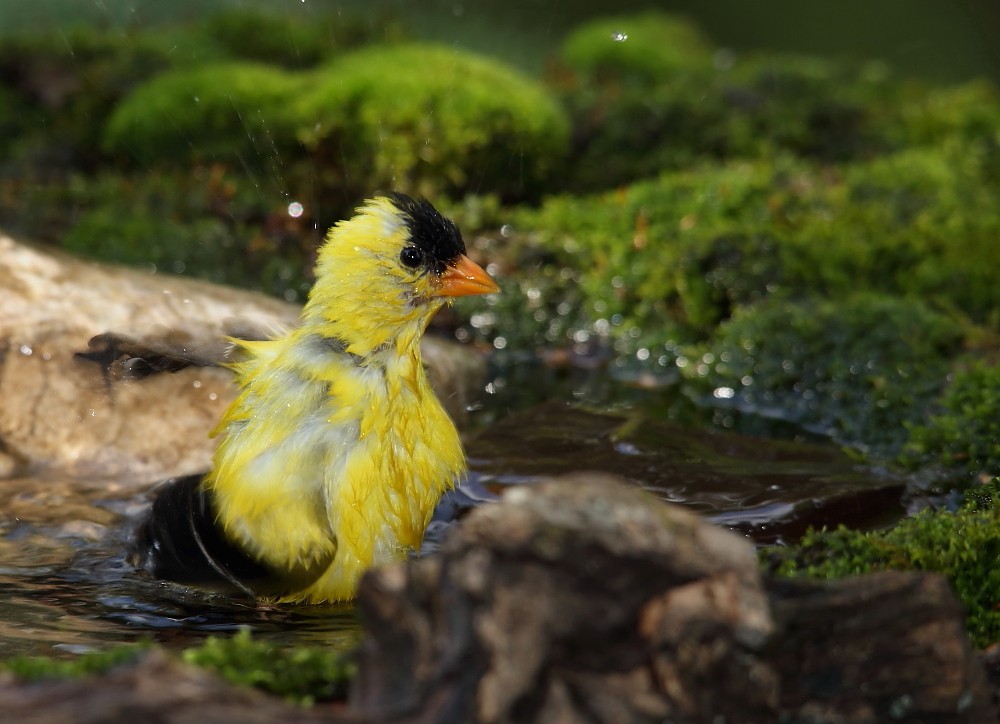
336 451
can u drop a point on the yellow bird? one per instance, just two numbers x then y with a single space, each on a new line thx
336 451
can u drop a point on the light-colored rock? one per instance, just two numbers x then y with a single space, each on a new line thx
61 412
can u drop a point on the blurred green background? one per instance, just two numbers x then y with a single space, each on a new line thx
935 39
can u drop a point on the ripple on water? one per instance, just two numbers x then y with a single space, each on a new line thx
65 585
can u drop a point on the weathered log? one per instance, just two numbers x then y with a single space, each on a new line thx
582 600
587 600
884 647
156 689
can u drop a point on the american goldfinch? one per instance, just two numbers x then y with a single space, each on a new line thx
336 450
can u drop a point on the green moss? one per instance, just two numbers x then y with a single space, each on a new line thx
303 674
668 106
201 222
230 112
69 83
970 111
674 257
34 668
965 435
648 46
13 121
755 107
856 368
963 546
432 120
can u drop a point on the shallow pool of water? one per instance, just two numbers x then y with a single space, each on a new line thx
66 586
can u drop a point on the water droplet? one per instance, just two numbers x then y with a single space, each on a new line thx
619 37
196 384
295 209
499 343
723 393
213 396
25 350
506 230
627 448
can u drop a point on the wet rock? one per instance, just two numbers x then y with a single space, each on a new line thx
889 646
137 404
157 689
584 599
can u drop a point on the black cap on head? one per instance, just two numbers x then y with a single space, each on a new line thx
437 237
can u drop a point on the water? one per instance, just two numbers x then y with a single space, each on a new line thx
66 586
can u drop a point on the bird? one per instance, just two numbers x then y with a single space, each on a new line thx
336 450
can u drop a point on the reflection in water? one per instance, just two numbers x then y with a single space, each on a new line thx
66 588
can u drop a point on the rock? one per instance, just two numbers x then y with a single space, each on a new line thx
585 599
81 415
578 600
156 689
889 646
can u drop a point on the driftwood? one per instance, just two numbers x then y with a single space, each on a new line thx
585 600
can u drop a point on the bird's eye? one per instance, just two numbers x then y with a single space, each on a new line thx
412 257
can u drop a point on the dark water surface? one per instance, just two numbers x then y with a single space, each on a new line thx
65 586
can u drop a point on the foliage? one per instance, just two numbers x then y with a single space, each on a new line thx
856 368
12 117
205 222
303 674
69 82
675 256
645 47
431 120
636 118
34 668
962 545
232 112
966 433
277 38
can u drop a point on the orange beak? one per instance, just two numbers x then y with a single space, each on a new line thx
465 278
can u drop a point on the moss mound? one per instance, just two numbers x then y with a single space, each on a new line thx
432 120
648 46
676 256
